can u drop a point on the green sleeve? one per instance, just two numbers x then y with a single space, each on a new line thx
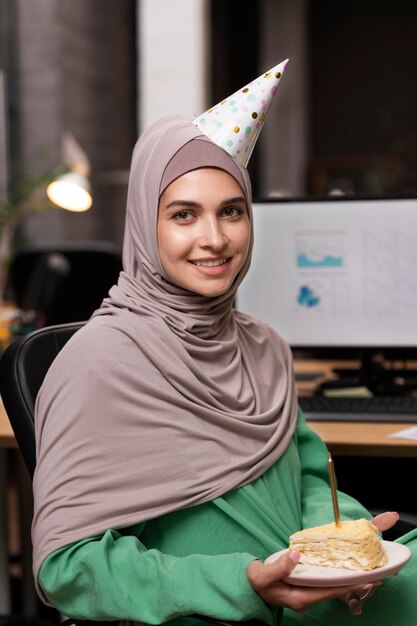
316 500
114 577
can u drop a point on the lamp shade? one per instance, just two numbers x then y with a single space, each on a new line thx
71 191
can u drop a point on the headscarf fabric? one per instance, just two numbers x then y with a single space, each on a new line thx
166 398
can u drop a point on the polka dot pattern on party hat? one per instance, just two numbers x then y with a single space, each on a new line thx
235 123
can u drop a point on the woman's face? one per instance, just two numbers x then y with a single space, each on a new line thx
203 231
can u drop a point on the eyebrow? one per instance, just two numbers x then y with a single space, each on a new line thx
191 203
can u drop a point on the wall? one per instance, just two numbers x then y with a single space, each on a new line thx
249 38
75 71
284 143
173 52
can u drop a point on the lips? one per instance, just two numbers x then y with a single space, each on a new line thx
212 267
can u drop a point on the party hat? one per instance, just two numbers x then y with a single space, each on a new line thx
235 123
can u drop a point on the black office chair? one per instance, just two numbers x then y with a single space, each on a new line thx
23 367
63 282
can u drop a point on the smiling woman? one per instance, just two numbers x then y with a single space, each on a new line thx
203 231
189 460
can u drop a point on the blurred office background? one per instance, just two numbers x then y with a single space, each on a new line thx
344 119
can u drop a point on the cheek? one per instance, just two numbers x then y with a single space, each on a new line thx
163 243
244 238
172 241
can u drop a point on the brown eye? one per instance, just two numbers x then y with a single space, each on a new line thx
182 216
232 211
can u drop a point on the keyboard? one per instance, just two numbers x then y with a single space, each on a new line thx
373 409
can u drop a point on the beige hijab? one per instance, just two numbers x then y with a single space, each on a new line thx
166 398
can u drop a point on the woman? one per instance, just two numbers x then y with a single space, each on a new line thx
172 458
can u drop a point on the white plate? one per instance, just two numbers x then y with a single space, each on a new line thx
315 576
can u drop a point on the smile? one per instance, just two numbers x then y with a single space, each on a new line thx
212 263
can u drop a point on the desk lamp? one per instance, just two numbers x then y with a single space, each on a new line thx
72 190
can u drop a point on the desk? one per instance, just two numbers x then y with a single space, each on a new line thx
364 452
364 439
9 456
352 438
7 439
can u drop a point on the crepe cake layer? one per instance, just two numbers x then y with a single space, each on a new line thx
354 545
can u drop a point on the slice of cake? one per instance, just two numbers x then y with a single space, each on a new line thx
353 545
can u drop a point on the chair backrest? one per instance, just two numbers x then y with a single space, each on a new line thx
64 282
23 367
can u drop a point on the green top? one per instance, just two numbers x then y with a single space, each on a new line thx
194 560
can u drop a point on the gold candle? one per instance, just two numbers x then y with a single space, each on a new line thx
334 492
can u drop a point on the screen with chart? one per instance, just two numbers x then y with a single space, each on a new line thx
335 272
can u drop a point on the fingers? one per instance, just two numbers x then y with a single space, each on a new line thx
300 598
356 599
366 594
267 579
384 521
285 564
262 575
355 606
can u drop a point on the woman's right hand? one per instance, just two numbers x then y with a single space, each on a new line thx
267 580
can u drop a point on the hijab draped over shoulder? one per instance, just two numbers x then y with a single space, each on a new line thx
166 398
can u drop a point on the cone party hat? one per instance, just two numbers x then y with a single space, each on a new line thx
235 123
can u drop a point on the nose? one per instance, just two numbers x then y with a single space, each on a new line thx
213 235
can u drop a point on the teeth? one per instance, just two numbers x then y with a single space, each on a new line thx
213 263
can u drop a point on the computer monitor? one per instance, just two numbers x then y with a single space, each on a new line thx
336 273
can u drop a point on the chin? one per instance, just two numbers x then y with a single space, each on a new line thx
212 292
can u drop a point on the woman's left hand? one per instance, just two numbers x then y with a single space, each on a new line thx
356 599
